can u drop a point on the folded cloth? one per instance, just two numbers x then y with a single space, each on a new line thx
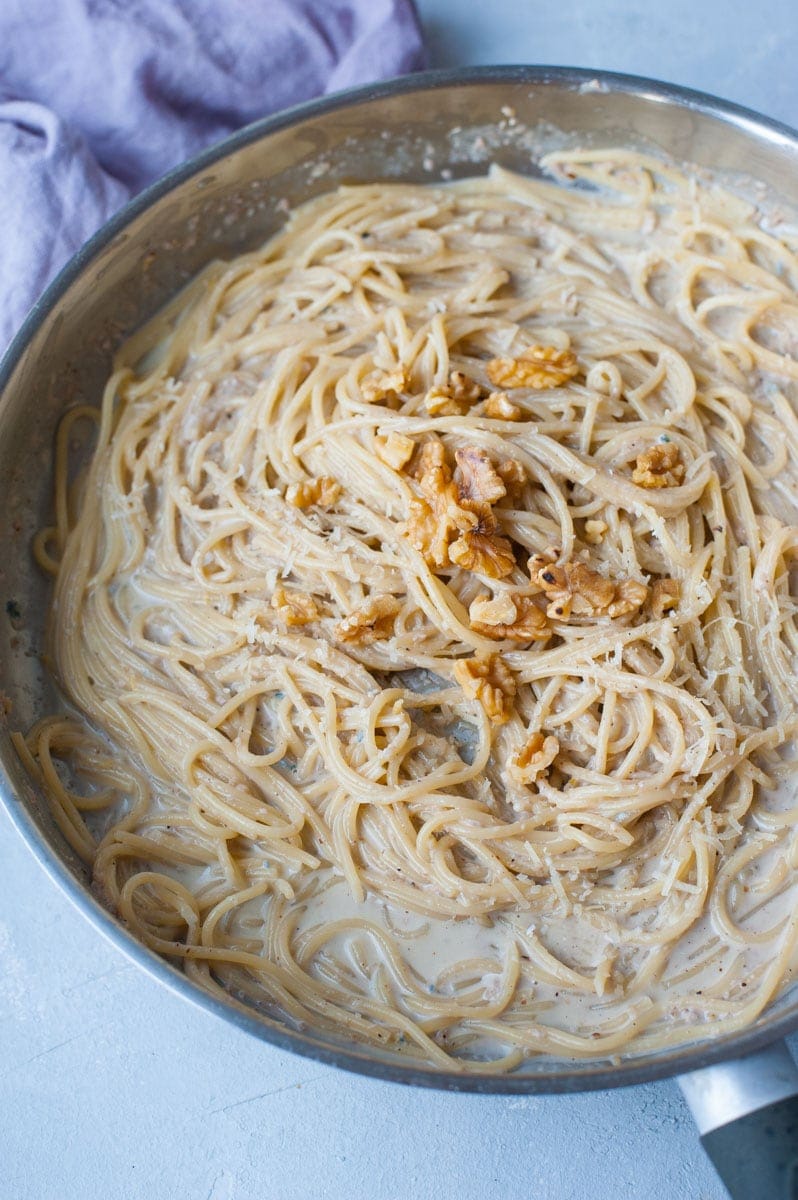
100 97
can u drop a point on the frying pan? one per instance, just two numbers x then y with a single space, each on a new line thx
743 1087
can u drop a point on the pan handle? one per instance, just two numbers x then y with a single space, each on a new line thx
747 1114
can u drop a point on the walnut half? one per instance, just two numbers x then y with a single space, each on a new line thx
490 681
452 523
574 588
437 516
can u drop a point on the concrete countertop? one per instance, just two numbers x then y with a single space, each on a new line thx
112 1087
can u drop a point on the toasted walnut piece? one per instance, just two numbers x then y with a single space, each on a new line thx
499 408
370 623
490 555
629 596
464 389
432 471
536 367
544 559
453 398
434 520
323 492
537 753
530 623
660 466
481 549
476 479
576 588
490 681
383 387
440 403
434 478
458 507
493 610
396 449
513 476
294 608
594 532
427 534
665 595
431 456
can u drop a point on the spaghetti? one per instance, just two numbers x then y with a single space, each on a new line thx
426 618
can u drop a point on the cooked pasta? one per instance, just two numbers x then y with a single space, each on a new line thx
426 622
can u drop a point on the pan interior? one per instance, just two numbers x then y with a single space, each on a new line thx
440 126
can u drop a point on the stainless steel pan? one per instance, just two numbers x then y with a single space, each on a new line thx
426 127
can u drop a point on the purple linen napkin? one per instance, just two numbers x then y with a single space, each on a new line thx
100 97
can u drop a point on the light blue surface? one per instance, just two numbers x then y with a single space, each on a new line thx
111 1087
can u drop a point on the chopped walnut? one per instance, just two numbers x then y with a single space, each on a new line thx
323 491
594 532
536 367
629 596
370 623
659 467
448 510
543 559
537 753
452 399
483 550
492 618
439 403
432 470
437 486
433 521
512 474
665 595
294 608
490 681
427 534
574 588
464 389
453 522
499 408
383 387
476 478
396 449
496 610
